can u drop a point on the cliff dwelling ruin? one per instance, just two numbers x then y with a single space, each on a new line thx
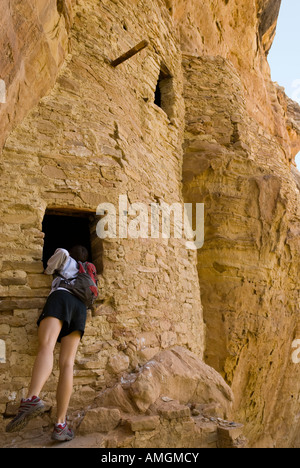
178 337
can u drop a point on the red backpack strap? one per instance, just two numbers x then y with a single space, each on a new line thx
81 268
91 270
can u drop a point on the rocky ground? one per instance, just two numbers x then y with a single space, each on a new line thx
174 401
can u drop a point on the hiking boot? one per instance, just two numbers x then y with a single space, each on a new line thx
62 433
28 409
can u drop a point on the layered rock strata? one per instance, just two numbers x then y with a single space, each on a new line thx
249 264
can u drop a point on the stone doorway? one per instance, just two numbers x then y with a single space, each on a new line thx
64 229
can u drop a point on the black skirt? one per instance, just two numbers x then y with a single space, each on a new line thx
66 307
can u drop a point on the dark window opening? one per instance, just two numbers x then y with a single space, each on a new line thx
64 229
157 97
164 93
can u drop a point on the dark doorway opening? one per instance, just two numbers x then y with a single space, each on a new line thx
65 229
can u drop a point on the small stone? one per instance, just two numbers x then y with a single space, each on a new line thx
144 423
100 420
118 363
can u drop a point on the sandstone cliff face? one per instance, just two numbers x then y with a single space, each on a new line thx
236 161
86 133
34 43
241 32
249 265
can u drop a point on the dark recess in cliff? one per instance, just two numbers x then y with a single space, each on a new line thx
268 18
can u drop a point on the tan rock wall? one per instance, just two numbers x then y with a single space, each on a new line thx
240 31
95 136
34 43
249 265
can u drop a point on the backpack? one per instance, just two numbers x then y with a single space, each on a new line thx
85 285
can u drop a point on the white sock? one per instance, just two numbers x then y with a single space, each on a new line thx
29 399
62 425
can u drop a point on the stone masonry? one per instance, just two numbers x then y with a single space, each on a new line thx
97 135
181 343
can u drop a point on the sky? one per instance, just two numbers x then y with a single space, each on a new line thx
284 57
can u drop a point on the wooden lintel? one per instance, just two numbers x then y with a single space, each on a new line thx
140 46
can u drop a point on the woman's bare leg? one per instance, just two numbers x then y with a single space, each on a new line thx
69 345
48 332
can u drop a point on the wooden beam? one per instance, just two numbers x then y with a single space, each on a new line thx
140 46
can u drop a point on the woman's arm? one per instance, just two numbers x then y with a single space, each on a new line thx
56 261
